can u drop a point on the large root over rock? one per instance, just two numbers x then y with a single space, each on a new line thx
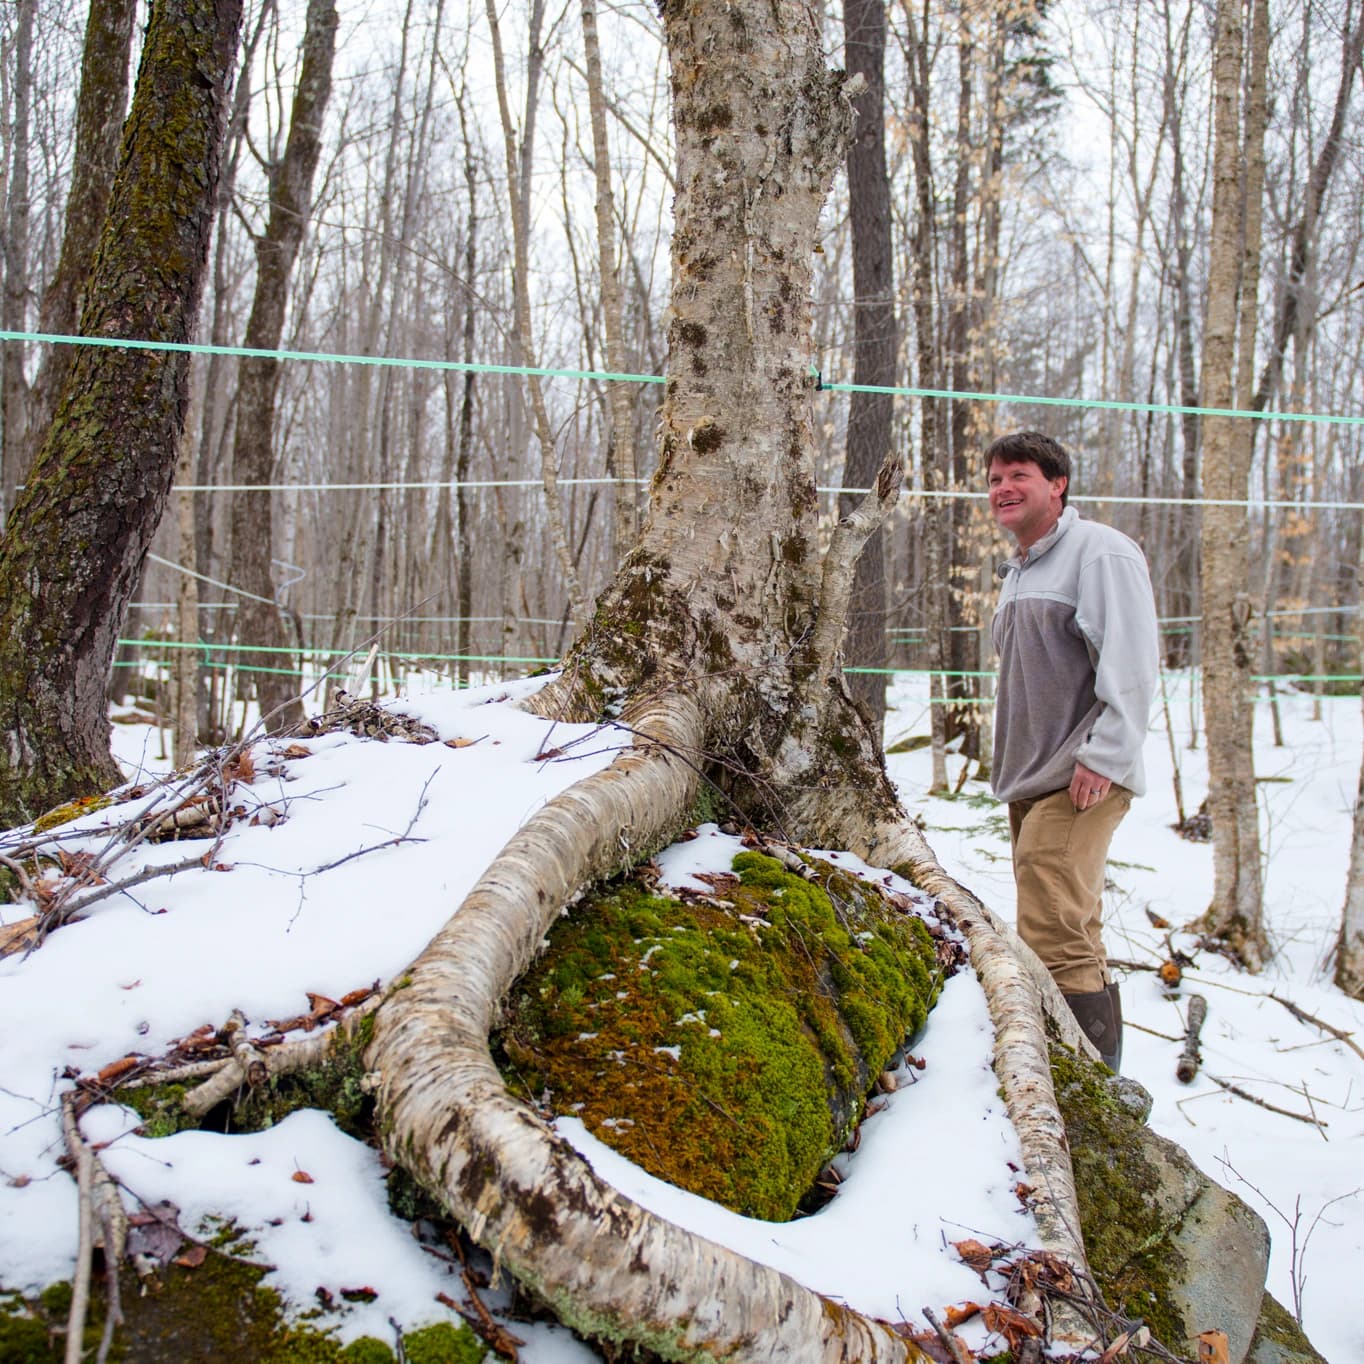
606 1266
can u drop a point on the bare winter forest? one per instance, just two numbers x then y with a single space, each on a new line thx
481 173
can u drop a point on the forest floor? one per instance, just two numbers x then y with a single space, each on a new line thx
278 921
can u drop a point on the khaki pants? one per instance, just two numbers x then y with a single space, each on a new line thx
1059 855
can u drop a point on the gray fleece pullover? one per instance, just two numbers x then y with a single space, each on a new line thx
1075 630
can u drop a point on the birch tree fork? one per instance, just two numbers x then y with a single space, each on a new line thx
716 648
76 539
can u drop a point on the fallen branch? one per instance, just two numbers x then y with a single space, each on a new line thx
1187 1065
288 1059
1304 1017
99 1200
67 911
1264 1103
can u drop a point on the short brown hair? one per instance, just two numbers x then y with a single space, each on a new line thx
1032 447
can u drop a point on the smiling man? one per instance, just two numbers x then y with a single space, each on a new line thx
1075 631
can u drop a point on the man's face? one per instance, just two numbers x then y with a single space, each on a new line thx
1025 502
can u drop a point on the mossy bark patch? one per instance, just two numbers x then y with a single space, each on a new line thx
725 1044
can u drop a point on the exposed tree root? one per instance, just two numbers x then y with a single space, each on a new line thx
605 1265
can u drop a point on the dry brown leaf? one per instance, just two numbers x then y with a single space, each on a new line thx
192 1258
979 1257
298 751
1213 1348
18 935
1010 1322
1170 974
721 882
353 997
462 742
954 1316
114 1069
321 1005
302 1177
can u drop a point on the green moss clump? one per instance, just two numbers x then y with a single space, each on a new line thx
218 1311
444 1344
336 1087
724 1045
25 1340
366 1350
72 809
161 1108
34 1331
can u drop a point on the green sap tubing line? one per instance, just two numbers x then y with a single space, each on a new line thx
547 372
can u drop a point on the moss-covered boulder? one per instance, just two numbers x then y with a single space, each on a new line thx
1167 1244
726 1044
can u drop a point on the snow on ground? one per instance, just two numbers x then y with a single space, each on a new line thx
152 965
1306 1178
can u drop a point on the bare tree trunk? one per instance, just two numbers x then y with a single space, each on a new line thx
1305 231
185 733
14 395
518 191
718 637
935 517
875 343
253 461
100 108
1183 594
1236 912
1349 972
622 439
77 537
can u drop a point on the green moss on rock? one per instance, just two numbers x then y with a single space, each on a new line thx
218 1311
1122 1228
727 1044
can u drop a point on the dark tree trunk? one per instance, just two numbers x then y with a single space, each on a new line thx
875 342
78 535
259 622
100 109
14 394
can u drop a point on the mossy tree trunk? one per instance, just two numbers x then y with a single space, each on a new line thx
77 537
253 458
717 645
100 108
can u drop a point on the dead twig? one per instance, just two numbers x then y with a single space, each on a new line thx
68 911
99 1201
950 1340
1264 1103
1304 1017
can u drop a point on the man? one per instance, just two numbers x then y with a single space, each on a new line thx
1075 631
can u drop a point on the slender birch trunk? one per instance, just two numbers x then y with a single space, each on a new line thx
1236 913
621 443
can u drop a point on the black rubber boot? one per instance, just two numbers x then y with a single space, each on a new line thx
1099 1014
